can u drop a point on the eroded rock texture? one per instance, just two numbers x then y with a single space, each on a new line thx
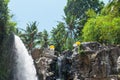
92 62
96 62
45 62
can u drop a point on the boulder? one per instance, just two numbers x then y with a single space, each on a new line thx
45 62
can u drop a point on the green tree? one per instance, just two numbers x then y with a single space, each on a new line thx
104 27
4 30
3 18
11 25
70 26
59 36
78 8
44 39
30 36
112 8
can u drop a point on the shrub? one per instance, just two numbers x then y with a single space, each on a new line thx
104 29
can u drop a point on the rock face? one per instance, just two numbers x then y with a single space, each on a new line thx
45 62
96 62
93 62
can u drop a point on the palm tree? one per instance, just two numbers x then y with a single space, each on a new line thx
44 39
59 36
31 37
70 25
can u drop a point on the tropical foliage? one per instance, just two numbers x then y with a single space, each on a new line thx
84 20
6 26
30 35
104 28
3 18
78 8
59 36
44 39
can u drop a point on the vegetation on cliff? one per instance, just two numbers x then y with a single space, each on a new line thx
83 21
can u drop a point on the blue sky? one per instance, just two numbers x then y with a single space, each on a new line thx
45 12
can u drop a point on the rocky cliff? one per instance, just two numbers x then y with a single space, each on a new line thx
91 61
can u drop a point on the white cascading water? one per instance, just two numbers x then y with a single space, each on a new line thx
59 67
24 66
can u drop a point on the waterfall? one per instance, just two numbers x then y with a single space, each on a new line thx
59 67
24 67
